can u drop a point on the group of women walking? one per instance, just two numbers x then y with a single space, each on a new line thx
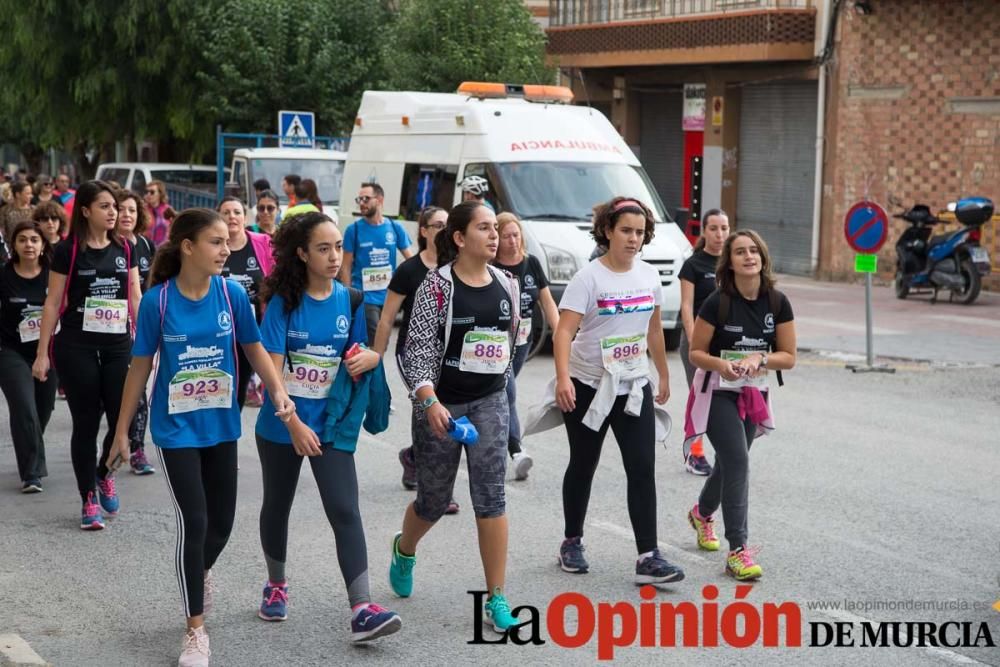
216 302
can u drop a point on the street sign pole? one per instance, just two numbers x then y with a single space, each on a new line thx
869 336
866 227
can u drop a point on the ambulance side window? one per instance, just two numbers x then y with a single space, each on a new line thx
427 185
479 169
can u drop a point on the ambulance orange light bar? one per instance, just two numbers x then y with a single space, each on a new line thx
555 94
482 89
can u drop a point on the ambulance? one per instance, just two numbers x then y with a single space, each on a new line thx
547 161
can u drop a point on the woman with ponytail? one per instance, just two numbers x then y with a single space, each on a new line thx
196 320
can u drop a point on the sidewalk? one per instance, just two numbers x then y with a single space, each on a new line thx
830 317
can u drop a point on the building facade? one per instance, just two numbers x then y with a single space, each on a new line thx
785 112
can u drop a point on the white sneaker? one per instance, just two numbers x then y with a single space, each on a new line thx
522 464
208 596
195 651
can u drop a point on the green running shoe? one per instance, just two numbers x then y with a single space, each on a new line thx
401 570
498 614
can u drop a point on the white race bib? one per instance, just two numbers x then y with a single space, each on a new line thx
30 326
760 381
376 278
200 389
312 376
485 352
620 354
523 332
105 315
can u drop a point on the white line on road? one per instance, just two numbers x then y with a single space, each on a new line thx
846 326
966 319
622 531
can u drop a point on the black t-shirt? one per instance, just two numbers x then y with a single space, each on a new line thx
243 267
700 270
405 281
144 251
532 279
480 308
750 325
20 296
98 273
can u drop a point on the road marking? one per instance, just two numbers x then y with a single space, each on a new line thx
846 326
966 319
942 653
621 531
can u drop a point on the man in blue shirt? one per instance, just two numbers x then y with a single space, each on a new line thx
370 246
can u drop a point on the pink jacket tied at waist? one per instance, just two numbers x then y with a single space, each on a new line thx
750 402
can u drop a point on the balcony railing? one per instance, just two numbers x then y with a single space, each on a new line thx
582 12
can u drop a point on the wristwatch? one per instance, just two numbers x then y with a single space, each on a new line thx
763 359
428 402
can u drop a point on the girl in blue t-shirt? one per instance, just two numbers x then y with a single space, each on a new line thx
310 322
194 318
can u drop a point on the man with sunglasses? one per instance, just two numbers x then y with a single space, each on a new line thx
370 246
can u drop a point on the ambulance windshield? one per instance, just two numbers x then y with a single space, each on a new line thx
569 190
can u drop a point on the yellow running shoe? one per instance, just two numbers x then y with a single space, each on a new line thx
705 527
740 564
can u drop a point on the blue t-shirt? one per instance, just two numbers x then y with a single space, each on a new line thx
196 349
321 329
374 248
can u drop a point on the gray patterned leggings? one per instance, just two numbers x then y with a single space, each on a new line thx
437 460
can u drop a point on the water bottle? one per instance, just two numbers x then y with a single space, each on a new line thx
463 430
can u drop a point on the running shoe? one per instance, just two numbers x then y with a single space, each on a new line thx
373 622
498 614
90 517
571 556
705 527
741 566
33 485
274 606
698 465
140 466
108 496
656 570
195 651
452 507
409 468
208 592
522 464
401 570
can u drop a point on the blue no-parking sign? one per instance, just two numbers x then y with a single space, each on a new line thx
296 129
866 226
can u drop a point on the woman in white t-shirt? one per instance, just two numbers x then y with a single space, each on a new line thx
612 307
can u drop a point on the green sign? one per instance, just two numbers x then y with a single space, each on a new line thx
865 263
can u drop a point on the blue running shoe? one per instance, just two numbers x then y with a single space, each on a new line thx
373 622
274 606
656 570
90 517
498 614
108 496
571 556
401 570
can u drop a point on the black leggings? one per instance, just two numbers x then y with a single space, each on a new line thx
729 483
338 489
93 379
636 438
202 485
30 404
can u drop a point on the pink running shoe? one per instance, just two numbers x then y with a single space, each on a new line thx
90 517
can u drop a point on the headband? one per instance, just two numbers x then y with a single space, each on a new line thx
628 203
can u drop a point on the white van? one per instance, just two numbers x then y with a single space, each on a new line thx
324 166
135 175
548 163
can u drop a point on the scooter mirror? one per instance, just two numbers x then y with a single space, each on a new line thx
952 206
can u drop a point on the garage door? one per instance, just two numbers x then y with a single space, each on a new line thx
661 144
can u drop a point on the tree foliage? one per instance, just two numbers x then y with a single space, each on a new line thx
437 44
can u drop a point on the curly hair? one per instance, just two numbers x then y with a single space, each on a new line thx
141 213
290 277
606 217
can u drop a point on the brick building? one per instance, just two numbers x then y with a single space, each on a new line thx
783 112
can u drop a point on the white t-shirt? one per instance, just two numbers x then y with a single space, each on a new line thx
612 304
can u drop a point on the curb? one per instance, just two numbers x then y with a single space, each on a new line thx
15 652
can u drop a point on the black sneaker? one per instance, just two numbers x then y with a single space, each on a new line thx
409 468
656 570
33 485
571 556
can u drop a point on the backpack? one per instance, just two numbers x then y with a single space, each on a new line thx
725 301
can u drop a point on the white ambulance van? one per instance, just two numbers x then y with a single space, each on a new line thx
547 161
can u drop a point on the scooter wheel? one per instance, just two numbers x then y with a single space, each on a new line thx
973 283
902 285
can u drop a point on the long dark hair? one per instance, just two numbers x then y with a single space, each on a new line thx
458 221
30 225
290 275
700 243
186 226
86 194
306 190
724 275
426 213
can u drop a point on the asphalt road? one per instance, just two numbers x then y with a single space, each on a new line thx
874 488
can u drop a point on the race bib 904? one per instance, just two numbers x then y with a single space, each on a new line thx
105 315
30 326
485 352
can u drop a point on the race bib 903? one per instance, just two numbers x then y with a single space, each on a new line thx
310 375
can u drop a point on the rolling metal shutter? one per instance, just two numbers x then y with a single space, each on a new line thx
777 163
661 144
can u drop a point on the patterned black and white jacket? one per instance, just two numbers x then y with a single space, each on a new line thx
430 325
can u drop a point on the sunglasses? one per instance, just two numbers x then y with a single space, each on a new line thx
364 199
266 208
47 218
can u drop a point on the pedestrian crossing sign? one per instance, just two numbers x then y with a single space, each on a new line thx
296 129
